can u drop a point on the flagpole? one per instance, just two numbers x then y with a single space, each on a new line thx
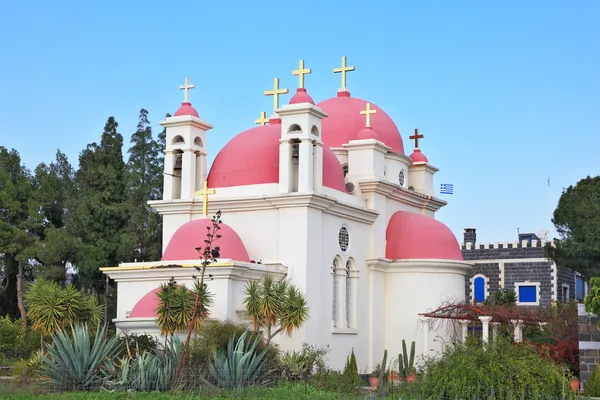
549 221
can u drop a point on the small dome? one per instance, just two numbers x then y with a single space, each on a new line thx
415 236
252 158
301 97
418 157
146 306
345 121
192 234
186 109
367 133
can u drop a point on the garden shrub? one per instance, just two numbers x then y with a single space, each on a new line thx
16 341
509 370
591 387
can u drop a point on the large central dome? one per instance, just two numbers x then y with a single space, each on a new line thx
344 122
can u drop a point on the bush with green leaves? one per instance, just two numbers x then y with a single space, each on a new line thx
591 387
76 360
17 341
510 370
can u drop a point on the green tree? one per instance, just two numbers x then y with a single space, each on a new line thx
98 216
577 221
144 184
17 224
275 306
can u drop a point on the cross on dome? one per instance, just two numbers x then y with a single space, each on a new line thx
262 120
204 193
186 89
416 138
343 70
275 93
301 71
368 113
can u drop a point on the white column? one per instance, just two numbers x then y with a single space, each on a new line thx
425 321
485 331
318 167
305 166
285 166
200 171
341 286
495 330
464 323
518 330
169 164
188 174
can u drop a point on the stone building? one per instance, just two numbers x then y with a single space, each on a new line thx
521 266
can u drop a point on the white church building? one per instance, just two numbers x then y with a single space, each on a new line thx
322 194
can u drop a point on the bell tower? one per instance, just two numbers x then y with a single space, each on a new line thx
185 168
300 145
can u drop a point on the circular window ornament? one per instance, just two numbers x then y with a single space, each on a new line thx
344 239
401 178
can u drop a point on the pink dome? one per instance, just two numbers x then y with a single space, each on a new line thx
418 157
414 236
301 97
186 109
146 306
344 122
192 234
367 133
252 158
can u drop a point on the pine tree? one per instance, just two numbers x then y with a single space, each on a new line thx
145 183
16 231
98 215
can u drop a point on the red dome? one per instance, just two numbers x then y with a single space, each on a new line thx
344 122
414 236
146 306
418 157
301 97
252 158
190 235
367 133
186 109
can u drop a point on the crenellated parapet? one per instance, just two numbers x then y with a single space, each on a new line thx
523 244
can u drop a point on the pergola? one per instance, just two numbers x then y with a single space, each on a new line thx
466 313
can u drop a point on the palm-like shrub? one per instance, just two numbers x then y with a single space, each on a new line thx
78 361
275 306
240 365
51 307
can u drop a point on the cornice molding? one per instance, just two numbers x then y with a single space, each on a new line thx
400 194
425 265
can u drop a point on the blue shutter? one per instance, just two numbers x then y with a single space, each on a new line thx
527 294
479 289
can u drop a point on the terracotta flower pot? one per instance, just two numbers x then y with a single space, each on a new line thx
574 384
374 381
411 378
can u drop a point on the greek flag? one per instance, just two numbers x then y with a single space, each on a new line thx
447 188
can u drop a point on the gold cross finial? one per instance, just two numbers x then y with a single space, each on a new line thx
416 138
275 93
186 89
301 71
343 70
262 120
204 193
368 113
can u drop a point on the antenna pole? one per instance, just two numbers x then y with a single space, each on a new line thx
549 221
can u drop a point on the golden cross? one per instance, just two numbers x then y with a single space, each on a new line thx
186 89
301 71
262 120
275 93
368 113
204 193
416 138
343 70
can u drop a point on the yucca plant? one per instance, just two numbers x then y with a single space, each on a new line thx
77 361
240 365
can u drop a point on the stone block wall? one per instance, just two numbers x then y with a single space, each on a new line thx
589 343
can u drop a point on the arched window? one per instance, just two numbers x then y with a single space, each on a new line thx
349 295
479 289
334 273
178 140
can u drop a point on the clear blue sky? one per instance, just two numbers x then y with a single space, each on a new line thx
507 93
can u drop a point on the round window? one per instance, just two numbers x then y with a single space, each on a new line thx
401 178
344 239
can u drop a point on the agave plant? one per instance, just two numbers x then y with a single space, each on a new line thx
240 365
151 371
77 361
